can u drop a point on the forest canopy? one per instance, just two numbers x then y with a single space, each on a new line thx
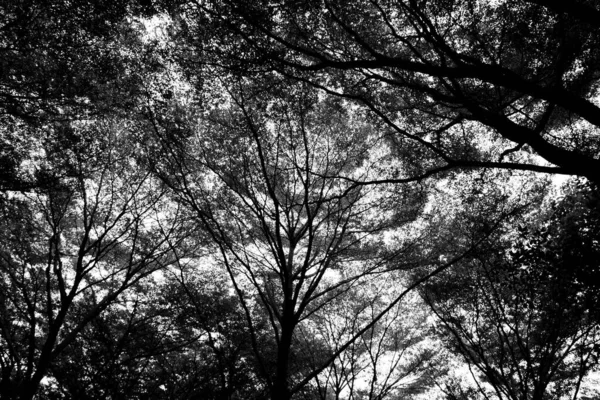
222 199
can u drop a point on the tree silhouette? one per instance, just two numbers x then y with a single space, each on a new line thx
467 84
261 177
71 248
523 314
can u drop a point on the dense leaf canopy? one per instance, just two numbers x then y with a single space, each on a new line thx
222 199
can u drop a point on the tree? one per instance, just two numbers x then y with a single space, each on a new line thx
216 360
113 356
63 61
465 84
523 312
308 147
97 227
181 335
57 56
261 175
394 358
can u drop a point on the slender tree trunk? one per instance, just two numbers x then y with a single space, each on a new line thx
281 389
538 392
30 389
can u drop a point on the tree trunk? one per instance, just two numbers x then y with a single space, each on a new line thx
281 389
29 390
